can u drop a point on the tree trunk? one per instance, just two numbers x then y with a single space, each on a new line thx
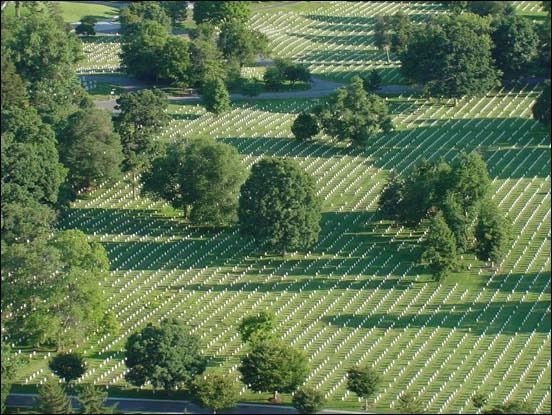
387 51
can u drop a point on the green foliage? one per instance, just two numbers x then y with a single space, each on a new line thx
14 93
216 390
273 366
110 324
205 176
440 248
91 400
372 82
493 233
352 114
175 9
167 356
85 28
257 326
492 8
390 200
285 70
409 404
68 366
305 126
90 149
541 108
363 381
215 96
451 56
308 400
391 32
140 11
9 367
52 398
509 407
470 181
273 78
143 114
219 12
207 62
515 45
175 64
239 43
479 400
278 203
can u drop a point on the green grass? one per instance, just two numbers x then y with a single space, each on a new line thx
103 90
73 11
283 6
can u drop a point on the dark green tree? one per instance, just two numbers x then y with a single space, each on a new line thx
273 78
364 382
401 27
352 114
278 203
305 126
492 8
13 90
175 66
218 12
176 10
216 390
479 400
90 149
257 326
451 56
238 42
68 366
382 35
515 45
308 400
52 398
440 248
509 407
207 62
86 26
9 366
541 108
167 356
203 178
273 366
492 233
409 404
92 399
140 11
215 96
390 200
459 222
470 181
372 82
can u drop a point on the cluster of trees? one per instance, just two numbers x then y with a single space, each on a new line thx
285 70
349 114
220 45
469 51
456 199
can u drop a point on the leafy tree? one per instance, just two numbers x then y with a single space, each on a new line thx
142 50
216 390
541 108
273 366
68 366
401 27
109 324
515 45
456 6
238 42
207 62
305 126
479 400
363 381
372 82
382 35
143 114
409 404
257 326
493 8
451 56
492 233
140 11
218 12
9 366
14 93
352 114
52 398
175 9
509 407
90 149
440 248
470 180
205 31
273 78
86 26
308 400
203 178
278 203
91 400
390 200
457 220
175 65
167 356
215 96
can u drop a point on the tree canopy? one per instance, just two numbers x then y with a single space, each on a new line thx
167 356
440 248
305 126
215 96
92 399
9 366
218 12
216 390
363 381
278 203
257 326
493 233
541 108
68 366
52 398
308 400
409 404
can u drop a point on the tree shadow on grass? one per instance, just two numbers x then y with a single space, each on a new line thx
449 314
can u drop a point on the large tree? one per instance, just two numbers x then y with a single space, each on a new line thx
203 178
237 42
541 108
440 248
352 114
140 11
167 356
492 233
219 12
257 326
308 400
390 201
215 96
363 381
13 90
52 398
176 10
206 60
216 390
175 65
273 366
305 126
451 56
278 203
92 400
515 45
68 366
90 149
9 366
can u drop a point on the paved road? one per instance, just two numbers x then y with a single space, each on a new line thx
173 406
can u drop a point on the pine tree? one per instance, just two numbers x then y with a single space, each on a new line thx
492 233
52 398
216 97
440 248
91 400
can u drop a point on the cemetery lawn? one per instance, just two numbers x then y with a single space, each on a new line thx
73 11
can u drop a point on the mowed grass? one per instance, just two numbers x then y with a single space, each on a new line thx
73 11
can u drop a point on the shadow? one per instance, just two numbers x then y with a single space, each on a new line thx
500 281
348 20
352 40
183 116
479 316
